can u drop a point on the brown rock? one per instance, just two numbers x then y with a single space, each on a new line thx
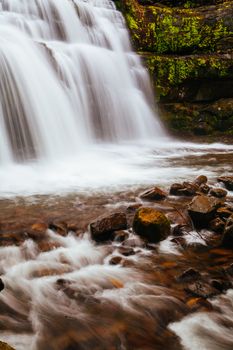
126 251
116 260
120 236
103 227
200 180
202 210
201 289
228 182
151 224
185 189
218 192
154 193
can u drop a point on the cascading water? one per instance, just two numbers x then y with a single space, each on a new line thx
68 78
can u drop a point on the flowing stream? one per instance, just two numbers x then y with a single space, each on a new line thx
77 114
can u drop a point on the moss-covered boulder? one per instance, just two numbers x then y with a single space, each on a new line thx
5 346
151 224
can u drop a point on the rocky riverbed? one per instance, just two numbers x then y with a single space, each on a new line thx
140 260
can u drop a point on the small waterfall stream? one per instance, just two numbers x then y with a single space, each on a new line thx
69 78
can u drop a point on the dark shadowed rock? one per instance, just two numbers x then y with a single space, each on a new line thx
1 285
151 224
224 212
126 251
201 289
218 192
189 275
154 193
103 227
204 188
228 182
217 225
180 230
202 210
227 241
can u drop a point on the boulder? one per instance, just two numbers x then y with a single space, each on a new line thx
227 241
154 193
103 227
151 224
228 182
202 210
218 192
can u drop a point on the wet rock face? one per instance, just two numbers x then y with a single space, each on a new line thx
187 47
102 228
151 224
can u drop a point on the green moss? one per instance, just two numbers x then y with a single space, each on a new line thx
172 71
166 30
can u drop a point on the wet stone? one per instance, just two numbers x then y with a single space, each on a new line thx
227 181
120 236
59 227
200 180
218 192
154 193
202 210
201 289
126 251
116 260
180 230
224 212
103 227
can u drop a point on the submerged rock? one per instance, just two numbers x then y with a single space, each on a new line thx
228 182
202 210
151 224
103 227
154 193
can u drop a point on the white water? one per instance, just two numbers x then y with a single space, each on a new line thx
68 79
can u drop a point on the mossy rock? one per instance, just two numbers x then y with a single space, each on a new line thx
5 346
191 78
161 29
151 224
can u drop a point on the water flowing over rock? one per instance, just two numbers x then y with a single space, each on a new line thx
68 79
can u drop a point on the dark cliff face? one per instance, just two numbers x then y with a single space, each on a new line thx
187 46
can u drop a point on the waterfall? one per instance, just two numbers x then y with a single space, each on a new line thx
69 79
